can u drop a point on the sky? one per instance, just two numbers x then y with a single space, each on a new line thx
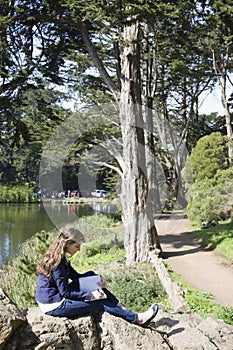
211 102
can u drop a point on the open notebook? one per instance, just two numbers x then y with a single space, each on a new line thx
91 283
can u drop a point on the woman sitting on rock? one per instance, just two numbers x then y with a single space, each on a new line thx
56 296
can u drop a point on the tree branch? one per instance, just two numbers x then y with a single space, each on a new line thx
109 166
112 151
96 59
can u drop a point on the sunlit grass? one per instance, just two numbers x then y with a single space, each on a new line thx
202 303
219 238
104 253
18 277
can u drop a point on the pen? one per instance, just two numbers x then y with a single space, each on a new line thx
101 292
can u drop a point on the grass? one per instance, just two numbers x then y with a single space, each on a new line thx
104 255
137 287
218 238
17 194
202 303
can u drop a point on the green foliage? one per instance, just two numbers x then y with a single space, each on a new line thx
209 156
101 227
219 238
225 313
203 303
211 199
137 288
103 221
98 258
19 276
223 177
205 306
206 203
17 194
208 195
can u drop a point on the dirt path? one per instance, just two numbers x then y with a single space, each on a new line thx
205 270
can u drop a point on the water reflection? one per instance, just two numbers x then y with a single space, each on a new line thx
62 214
19 222
105 207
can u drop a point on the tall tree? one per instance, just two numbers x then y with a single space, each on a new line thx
137 213
112 33
221 23
30 59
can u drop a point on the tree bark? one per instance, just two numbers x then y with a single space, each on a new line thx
149 89
140 232
222 72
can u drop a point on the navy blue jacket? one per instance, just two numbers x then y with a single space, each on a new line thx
54 289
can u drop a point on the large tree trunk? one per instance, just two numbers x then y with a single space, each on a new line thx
228 117
149 83
140 232
222 72
151 163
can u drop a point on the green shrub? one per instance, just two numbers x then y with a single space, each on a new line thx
137 290
224 176
101 228
209 156
203 303
208 194
17 194
205 202
211 199
219 238
19 276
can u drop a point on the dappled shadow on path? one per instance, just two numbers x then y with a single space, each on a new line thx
171 215
185 243
174 230
177 238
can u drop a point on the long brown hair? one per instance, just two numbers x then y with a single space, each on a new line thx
56 251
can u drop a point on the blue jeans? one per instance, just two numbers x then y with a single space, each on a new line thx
77 308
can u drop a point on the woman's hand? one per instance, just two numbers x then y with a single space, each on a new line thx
97 294
102 283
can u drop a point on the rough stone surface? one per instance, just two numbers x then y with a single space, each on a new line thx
10 318
188 331
218 332
172 288
169 330
118 334
46 332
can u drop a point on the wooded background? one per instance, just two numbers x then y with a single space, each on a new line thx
152 60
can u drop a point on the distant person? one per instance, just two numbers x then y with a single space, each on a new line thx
56 296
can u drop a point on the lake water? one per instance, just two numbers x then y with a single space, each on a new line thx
19 222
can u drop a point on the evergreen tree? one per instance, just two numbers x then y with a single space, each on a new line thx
111 45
